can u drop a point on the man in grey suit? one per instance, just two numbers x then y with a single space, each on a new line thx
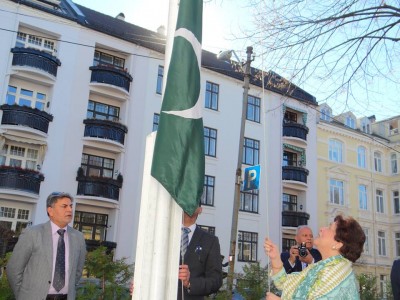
200 272
48 259
395 279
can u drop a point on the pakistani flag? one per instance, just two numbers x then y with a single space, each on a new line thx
178 160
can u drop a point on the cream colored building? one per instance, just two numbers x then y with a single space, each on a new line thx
358 175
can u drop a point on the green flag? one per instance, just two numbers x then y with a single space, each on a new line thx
178 160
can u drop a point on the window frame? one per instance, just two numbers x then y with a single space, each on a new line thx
361 157
396 201
87 167
38 100
382 243
291 203
393 163
334 189
101 61
160 78
378 162
207 198
156 121
380 203
252 242
46 44
362 197
335 150
10 157
253 109
250 197
94 113
210 141
211 99
79 224
251 152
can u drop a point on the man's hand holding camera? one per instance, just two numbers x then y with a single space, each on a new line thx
302 252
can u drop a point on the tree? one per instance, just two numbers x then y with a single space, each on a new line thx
5 290
345 45
112 276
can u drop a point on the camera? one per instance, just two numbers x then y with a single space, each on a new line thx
302 250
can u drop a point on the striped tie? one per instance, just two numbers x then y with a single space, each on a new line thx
184 240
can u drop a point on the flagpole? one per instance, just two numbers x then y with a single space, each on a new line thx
238 177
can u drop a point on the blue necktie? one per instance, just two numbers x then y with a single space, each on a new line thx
59 269
184 240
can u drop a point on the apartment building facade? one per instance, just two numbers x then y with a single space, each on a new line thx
79 93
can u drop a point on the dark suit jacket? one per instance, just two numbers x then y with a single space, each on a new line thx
30 267
395 279
203 256
297 265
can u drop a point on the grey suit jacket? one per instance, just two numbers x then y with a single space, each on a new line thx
29 270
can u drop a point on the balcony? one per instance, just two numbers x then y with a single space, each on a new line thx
105 129
36 59
294 218
20 179
296 130
110 75
93 245
25 116
99 187
294 173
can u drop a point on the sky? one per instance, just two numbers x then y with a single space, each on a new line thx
224 24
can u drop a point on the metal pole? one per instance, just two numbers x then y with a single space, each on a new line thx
238 181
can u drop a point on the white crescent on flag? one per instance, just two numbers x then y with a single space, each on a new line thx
194 112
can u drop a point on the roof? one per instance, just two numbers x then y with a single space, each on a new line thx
155 41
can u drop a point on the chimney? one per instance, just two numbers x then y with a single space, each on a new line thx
161 30
121 16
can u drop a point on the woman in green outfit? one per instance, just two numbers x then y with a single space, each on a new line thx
340 244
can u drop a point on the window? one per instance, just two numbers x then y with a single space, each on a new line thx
156 121
289 158
247 244
20 157
378 162
212 93
362 197
251 152
381 243
350 122
336 192
210 141
249 201
101 58
396 202
335 150
25 97
325 114
160 77
397 244
92 225
366 244
13 218
287 244
361 158
25 40
253 109
97 166
290 117
383 284
393 163
208 191
379 201
101 111
289 202
209 229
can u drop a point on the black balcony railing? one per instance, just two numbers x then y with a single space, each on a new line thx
294 173
94 244
294 218
105 129
20 179
295 130
36 59
25 116
111 75
99 187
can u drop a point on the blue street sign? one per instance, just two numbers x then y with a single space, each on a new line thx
251 178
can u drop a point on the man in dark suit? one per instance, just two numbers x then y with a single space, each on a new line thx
292 261
200 271
395 279
48 259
